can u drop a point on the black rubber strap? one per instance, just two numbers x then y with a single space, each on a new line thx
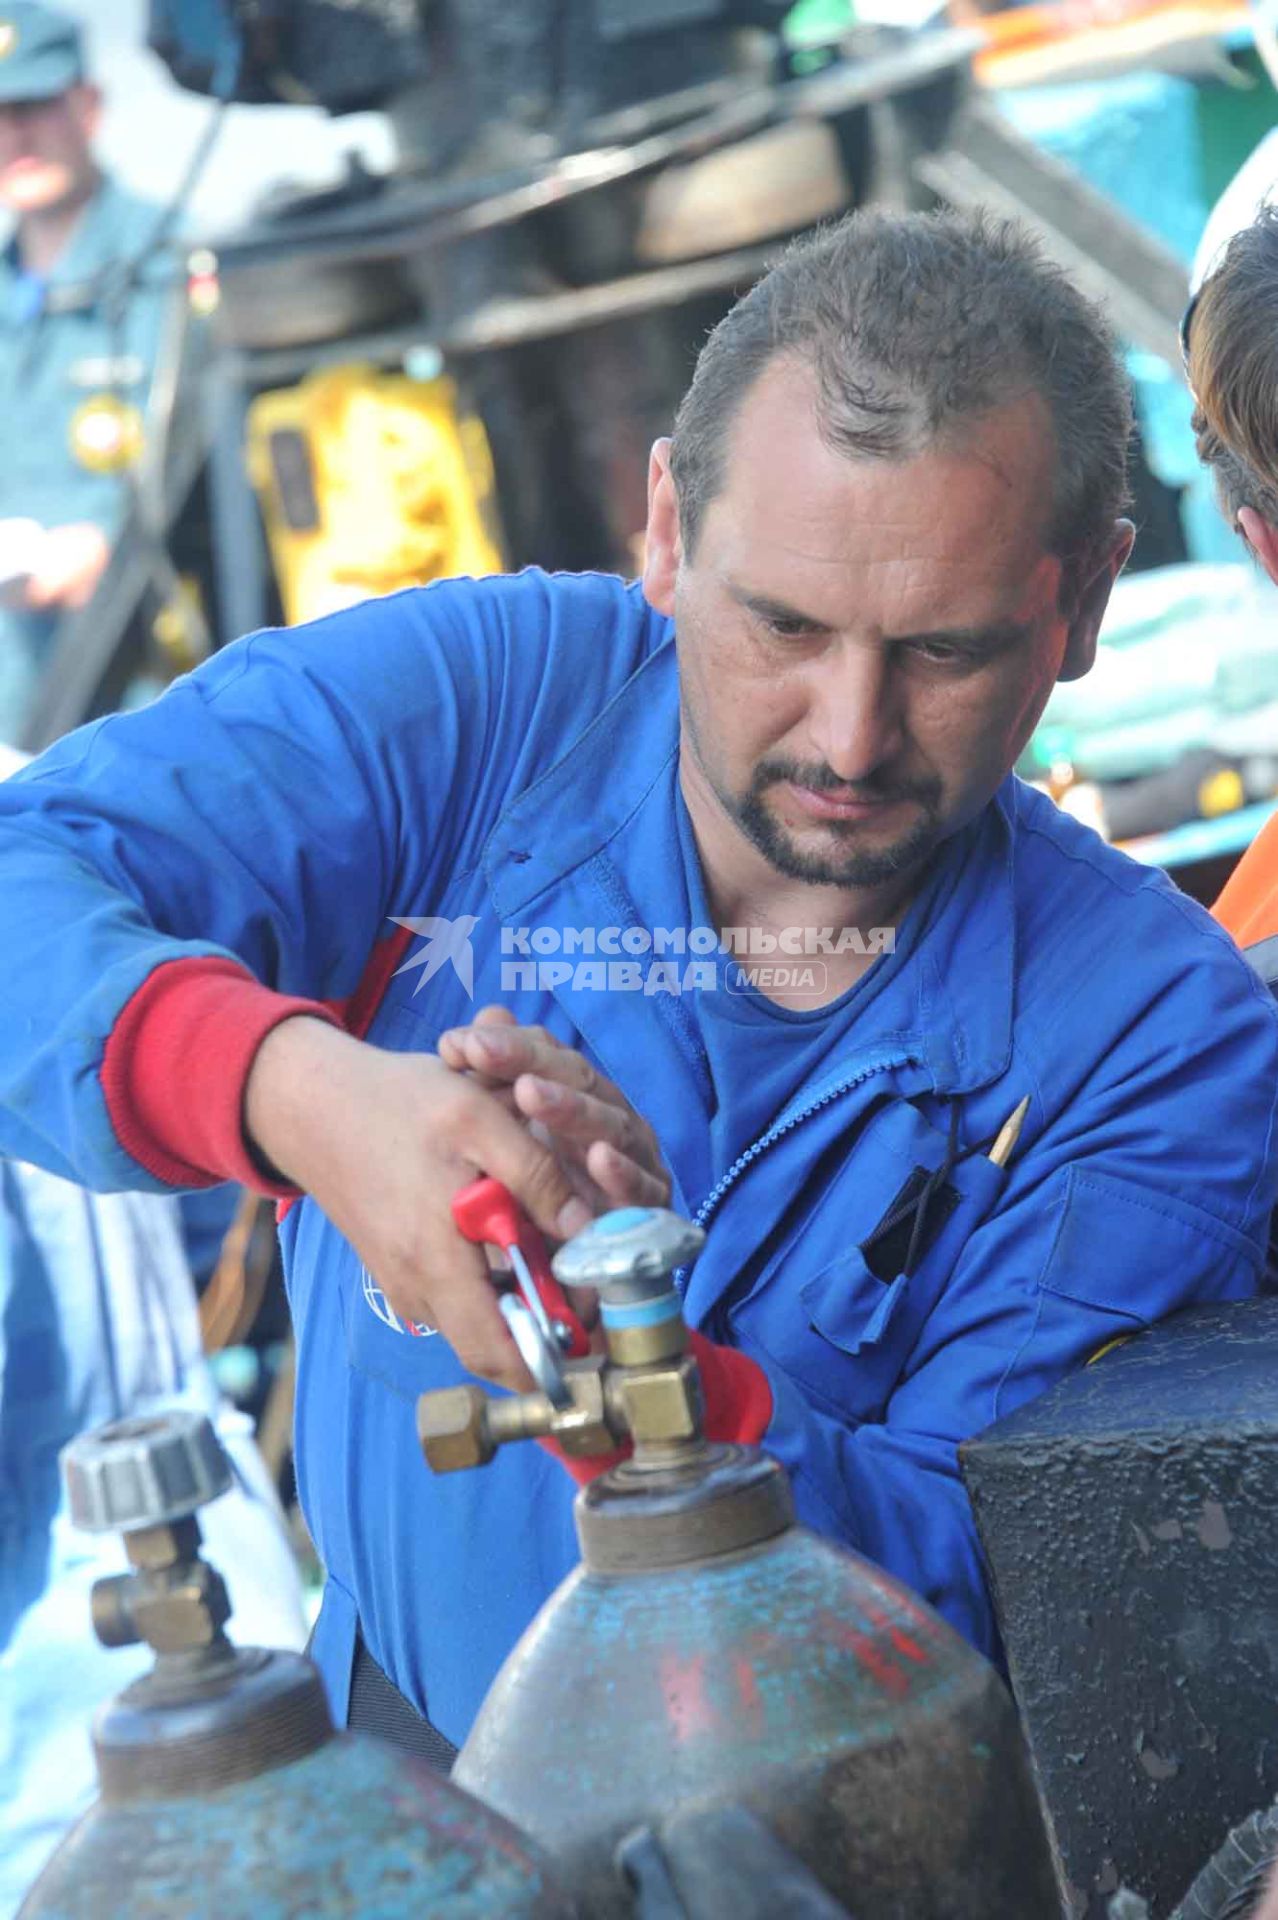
378 1707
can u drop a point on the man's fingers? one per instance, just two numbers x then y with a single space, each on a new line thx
453 1053
475 1328
624 1181
504 1052
584 1302
467 1315
505 1149
583 1118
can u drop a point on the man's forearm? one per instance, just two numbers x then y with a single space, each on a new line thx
295 1083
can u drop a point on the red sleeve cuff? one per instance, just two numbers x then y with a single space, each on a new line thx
175 1068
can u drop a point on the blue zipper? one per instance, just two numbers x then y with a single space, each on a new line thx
709 1205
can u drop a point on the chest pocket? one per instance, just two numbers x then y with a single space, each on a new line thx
819 1312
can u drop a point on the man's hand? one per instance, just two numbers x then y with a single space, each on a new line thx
611 1153
1268 1908
382 1141
67 563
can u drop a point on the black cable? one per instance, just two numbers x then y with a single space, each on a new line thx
119 281
119 277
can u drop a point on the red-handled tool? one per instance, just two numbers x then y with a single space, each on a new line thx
488 1213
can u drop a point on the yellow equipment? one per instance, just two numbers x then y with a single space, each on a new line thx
369 482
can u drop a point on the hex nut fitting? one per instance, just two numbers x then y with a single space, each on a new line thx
452 1428
183 1608
663 1402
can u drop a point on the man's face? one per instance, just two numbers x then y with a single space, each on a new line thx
46 150
865 646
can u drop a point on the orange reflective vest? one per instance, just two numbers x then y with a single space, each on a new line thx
1248 906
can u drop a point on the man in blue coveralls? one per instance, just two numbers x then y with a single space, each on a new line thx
81 309
734 860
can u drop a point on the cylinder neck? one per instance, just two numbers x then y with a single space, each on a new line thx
198 1722
681 1506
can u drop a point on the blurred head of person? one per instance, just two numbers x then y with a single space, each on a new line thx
1231 357
49 112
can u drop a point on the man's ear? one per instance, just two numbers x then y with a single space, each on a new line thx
1261 538
663 546
86 104
1091 602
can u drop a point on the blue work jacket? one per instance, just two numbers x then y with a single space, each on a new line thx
503 753
65 344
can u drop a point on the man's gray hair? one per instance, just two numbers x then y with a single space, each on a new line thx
914 325
1230 340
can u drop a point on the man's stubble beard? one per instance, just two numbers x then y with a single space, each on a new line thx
857 867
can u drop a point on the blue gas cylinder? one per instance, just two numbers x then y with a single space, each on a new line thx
225 1792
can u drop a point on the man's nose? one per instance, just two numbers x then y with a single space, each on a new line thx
856 718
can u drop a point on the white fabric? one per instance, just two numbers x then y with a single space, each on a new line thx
97 1320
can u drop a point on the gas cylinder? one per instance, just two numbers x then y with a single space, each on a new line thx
709 1651
225 1792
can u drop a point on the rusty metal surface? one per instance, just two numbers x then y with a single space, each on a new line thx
692 1504
1128 1519
357 1831
795 1680
193 1726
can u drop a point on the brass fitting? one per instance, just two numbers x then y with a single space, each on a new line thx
452 1429
164 1545
661 1403
173 1602
646 1346
184 1607
111 1609
648 1388
460 1427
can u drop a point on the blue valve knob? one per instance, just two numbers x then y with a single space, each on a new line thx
628 1254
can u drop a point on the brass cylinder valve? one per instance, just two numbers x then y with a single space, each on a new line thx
145 1478
644 1389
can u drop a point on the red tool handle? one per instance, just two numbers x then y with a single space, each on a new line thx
489 1214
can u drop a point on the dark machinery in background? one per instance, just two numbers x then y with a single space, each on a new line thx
462 365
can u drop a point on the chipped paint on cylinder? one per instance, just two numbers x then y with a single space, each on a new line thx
792 1678
356 1829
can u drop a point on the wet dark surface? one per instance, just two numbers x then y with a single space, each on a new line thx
1130 1518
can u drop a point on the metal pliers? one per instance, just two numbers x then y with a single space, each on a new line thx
542 1324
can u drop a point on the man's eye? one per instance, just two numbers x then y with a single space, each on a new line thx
787 626
939 653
